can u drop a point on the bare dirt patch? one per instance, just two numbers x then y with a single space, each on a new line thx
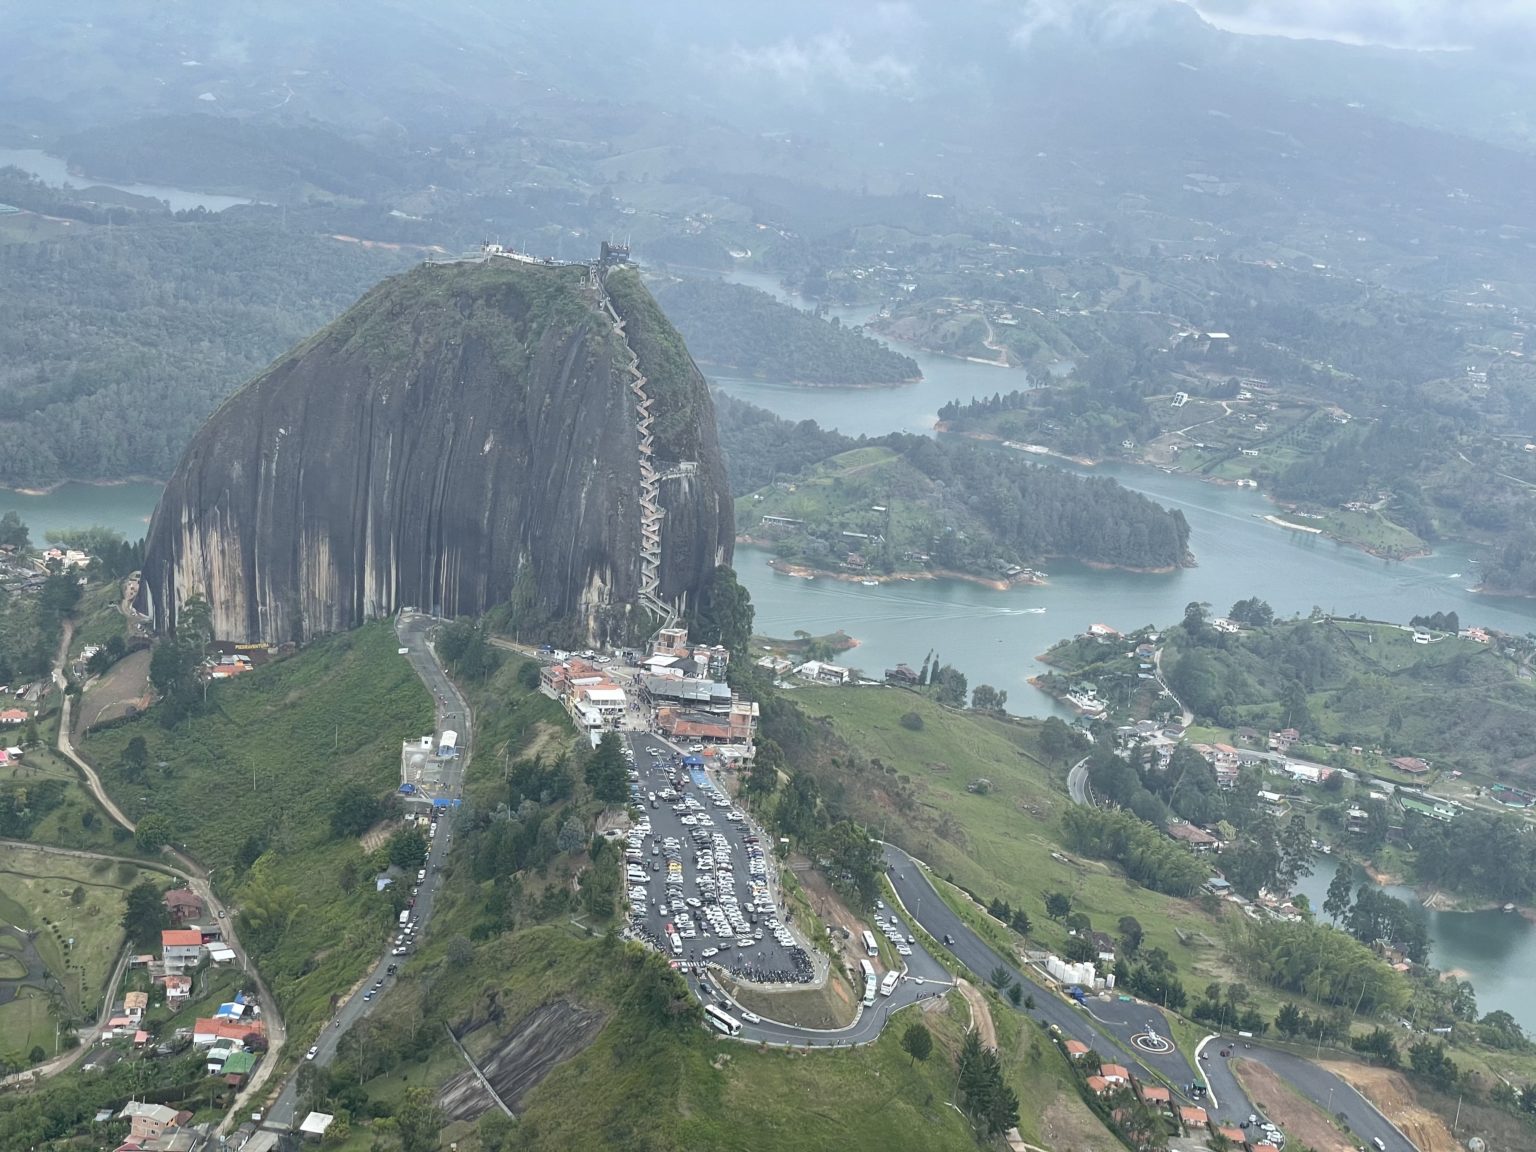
122 687
981 1012
1298 1118
1395 1100
545 737
376 837
1067 1126
547 1036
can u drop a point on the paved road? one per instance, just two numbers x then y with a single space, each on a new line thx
1318 1085
1077 782
1100 1019
451 712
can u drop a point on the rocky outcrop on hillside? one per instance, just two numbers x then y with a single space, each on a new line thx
465 436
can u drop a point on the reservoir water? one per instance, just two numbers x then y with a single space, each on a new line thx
1494 950
125 508
53 170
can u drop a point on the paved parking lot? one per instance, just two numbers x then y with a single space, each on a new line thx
697 876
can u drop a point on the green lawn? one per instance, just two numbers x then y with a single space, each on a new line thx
24 1024
256 773
37 893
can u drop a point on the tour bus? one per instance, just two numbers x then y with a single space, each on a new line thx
721 1021
869 982
677 944
869 943
888 985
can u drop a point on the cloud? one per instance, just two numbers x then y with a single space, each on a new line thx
828 58
1101 20
1420 24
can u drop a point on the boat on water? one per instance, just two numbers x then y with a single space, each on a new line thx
1035 611
870 583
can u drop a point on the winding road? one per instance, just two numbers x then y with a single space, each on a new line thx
451 711
187 870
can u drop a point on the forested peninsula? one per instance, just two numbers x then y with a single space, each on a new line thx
746 332
907 506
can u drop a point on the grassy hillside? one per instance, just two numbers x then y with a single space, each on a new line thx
1457 703
248 785
645 1083
912 787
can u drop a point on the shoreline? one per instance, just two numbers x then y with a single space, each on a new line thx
1028 449
50 489
736 372
806 572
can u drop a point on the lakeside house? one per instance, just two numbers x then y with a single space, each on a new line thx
824 672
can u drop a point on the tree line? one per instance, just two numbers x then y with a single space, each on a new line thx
744 330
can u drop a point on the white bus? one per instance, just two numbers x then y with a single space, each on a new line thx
888 985
870 984
869 943
721 1021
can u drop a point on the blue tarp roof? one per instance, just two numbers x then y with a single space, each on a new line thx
407 787
690 761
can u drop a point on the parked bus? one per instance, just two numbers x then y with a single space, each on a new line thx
870 984
869 943
721 1021
888 985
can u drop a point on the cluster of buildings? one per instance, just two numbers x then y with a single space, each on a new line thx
1193 1120
680 688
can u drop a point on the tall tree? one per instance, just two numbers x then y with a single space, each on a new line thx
724 614
1336 904
144 914
605 772
917 1041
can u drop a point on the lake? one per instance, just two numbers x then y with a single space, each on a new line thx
53 170
125 508
1493 949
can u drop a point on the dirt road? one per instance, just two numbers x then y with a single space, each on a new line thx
196 878
981 1012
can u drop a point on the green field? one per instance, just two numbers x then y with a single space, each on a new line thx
25 1023
37 893
252 778
1004 843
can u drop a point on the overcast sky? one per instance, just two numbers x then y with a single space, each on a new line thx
1397 23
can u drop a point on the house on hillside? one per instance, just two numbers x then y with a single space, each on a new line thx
1198 840
1412 765
180 948
184 905
824 673
149 1121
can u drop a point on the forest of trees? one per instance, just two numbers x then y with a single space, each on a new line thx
759 446
745 331
968 507
119 344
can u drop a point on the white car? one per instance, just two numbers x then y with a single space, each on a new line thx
708 952
751 1017
313 1052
